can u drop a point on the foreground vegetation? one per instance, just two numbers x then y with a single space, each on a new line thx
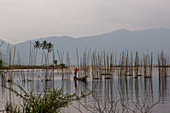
45 102
51 101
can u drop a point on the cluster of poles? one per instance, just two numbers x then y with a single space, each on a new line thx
128 64
101 64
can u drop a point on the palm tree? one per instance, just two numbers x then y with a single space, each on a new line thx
37 46
43 46
49 47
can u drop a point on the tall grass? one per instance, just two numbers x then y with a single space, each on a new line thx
50 102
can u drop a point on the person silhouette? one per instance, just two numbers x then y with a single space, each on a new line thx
75 72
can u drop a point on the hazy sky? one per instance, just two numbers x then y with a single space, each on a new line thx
22 20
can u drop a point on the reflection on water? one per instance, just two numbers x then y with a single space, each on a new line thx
106 91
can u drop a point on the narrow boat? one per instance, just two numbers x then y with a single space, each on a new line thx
84 79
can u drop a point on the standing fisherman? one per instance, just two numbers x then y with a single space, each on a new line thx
75 73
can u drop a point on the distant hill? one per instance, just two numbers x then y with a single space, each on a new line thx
154 40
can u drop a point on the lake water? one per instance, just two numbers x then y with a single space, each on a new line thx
107 92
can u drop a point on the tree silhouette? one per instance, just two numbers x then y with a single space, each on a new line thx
44 45
37 46
49 47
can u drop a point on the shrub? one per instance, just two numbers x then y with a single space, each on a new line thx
50 102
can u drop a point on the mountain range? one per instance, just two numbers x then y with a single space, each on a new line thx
154 40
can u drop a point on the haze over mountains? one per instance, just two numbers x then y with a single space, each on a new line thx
154 40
